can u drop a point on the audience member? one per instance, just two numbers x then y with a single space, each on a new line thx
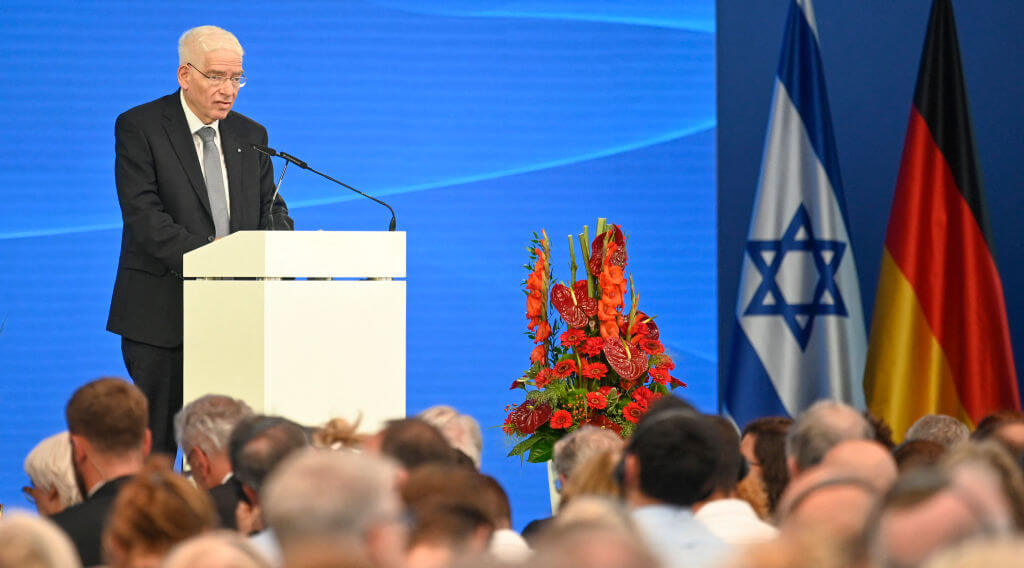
731 519
881 428
999 459
217 549
1006 426
940 428
594 476
27 541
258 444
668 465
981 552
801 550
832 506
593 510
411 442
595 545
913 454
461 430
763 445
52 476
818 429
929 510
203 429
155 510
577 446
866 459
109 442
320 501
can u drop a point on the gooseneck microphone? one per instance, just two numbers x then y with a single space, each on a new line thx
277 187
305 166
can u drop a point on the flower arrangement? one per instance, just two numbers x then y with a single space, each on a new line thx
605 368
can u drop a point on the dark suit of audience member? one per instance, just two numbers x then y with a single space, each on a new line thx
84 522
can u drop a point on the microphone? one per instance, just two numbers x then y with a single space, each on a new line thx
305 166
277 187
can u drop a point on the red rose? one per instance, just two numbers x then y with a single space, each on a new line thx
538 354
565 368
573 337
596 400
543 332
543 378
651 346
592 346
633 412
659 375
594 370
528 416
561 419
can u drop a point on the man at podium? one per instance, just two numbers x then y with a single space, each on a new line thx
186 175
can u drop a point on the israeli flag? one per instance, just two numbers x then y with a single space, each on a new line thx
799 332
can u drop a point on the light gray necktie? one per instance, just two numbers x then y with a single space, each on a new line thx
214 181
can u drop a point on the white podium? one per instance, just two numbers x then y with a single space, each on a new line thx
306 325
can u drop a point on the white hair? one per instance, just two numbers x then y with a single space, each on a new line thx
218 549
462 431
327 494
49 466
199 41
580 445
207 422
28 541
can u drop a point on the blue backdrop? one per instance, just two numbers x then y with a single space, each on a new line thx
480 121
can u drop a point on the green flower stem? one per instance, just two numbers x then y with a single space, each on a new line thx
572 263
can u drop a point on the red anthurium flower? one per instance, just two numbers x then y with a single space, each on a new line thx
596 400
677 383
529 416
602 421
605 390
594 370
561 419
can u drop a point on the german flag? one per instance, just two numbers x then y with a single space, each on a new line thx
939 342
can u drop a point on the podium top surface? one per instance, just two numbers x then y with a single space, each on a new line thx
300 254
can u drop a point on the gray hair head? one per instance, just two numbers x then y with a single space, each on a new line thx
207 422
321 494
28 541
939 428
461 430
49 466
581 444
820 428
197 42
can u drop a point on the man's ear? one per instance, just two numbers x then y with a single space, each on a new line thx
630 472
201 462
183 77
80 448
147 443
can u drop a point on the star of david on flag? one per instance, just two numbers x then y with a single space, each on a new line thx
799 331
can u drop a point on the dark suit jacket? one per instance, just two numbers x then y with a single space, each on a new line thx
166 210
225 499
85 521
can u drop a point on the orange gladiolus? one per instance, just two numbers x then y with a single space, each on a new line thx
613 288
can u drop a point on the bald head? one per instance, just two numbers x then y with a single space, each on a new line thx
827 501
866 459
819 428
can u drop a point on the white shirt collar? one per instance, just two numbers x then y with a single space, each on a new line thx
194 124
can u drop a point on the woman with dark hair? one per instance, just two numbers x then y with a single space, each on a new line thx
764 446
154 511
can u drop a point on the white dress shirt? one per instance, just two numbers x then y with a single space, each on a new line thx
735 522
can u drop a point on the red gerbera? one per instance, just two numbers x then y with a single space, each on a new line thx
565 368
633 412
561 419
659 375
596 400
543 378
652 346
592 346
594 370
663 361
643 393
573 337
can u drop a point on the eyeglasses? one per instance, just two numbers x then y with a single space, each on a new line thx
236 82
27 491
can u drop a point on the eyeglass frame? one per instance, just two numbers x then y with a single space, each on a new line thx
236 82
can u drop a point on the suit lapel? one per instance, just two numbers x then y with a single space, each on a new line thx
181 139
233 163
